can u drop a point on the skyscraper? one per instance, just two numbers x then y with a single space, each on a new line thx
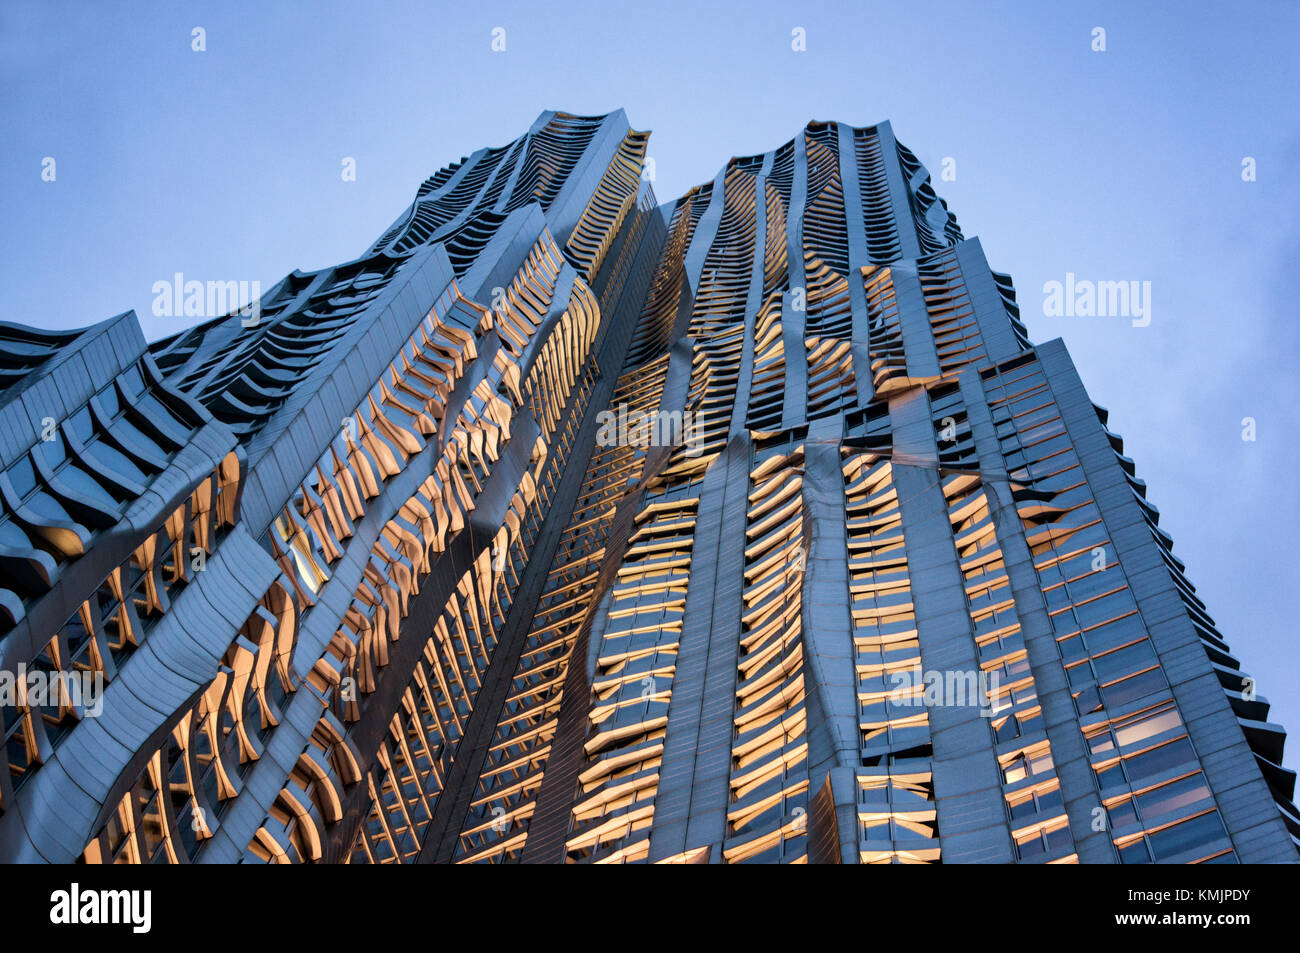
566 526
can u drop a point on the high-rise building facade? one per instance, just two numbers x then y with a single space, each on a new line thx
563 526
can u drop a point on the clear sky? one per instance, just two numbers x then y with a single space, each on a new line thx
1122 165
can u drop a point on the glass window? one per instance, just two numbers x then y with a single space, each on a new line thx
1135 731
54 450
1124 661
1135 853
1159 760
81 425
1186 836
1131 689
111 460
1175 796
108 402
80 481
131 381
1122 814
23 476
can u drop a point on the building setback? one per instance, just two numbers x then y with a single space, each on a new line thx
403 568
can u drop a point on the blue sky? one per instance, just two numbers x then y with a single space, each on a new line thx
1116 165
